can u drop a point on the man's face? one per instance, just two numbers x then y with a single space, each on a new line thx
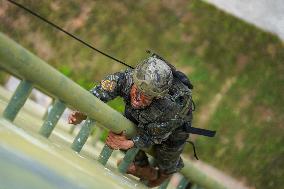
138 99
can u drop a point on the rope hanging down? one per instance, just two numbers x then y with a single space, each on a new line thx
66 32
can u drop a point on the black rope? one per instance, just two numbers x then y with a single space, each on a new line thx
69 34
193 146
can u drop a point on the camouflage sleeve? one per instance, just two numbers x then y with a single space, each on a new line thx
110 87
155 133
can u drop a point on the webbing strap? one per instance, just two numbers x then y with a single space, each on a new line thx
200 131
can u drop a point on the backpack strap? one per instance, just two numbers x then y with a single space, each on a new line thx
189 129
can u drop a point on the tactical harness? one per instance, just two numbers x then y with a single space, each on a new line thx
190 106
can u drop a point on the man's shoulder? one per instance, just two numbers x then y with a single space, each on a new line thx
121 78
179 100
178 86
128 81
121 75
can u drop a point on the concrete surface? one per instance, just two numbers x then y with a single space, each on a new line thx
265 14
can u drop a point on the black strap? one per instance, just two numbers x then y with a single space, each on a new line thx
193 146
200 131
67 33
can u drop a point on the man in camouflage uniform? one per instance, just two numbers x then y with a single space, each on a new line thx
158 100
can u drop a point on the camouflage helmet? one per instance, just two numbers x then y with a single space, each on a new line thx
153 76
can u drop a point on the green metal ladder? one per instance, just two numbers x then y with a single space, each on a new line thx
35 73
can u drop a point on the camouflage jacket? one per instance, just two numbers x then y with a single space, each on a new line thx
161 121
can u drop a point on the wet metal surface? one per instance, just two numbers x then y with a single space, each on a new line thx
20 171
83 135
74 169
52 118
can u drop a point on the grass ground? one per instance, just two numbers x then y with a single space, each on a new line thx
207 44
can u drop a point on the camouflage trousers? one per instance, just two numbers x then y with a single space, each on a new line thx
166 157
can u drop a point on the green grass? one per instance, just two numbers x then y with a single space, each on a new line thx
207 44
250 132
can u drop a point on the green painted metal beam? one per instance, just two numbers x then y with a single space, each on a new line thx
17 60
105 154
47 109
182 183
83 135
52 118
128 159
165 184
197 176
18 100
